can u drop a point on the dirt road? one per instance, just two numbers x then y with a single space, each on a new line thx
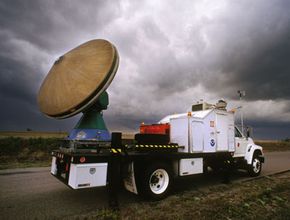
34 194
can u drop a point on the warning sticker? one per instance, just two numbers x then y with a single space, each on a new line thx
212 124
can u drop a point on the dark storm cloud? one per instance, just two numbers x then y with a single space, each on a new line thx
269 71
19 115
55 25
14 81
171 55
263 130
32 35
256 52
245 47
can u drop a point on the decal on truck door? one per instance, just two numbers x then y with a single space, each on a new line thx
212 142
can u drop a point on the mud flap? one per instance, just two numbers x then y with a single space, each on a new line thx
129 181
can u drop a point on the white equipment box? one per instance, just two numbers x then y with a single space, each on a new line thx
88 175
203 131
190 166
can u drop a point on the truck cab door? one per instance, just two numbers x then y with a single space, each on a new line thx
241 143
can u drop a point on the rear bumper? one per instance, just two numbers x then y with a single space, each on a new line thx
78 176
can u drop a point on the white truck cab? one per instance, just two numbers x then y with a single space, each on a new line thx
247 152
211 129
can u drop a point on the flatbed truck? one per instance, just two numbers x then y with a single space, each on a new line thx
179 145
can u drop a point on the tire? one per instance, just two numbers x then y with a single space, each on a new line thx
255 167
156 181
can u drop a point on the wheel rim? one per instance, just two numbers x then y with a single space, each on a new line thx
256 165
159 181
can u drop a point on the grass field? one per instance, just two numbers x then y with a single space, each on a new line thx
16 152
263 198
274 145
45 134
33 134
30 148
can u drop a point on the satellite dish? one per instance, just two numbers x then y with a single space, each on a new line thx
76 83
78 78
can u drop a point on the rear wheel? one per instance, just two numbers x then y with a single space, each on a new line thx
256 166
156 181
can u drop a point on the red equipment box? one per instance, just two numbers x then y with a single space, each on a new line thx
155 129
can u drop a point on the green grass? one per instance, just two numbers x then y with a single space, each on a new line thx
33 134
274 146
24 164
265 198
22 152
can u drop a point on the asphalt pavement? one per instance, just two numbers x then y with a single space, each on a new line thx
32 193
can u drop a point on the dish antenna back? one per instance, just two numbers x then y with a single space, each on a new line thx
77 82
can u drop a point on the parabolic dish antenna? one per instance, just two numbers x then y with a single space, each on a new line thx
76 83
78 78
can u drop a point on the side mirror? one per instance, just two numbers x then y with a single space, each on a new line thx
248 133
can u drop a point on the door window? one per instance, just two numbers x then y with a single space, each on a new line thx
238 133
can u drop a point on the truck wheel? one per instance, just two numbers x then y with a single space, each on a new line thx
256 167
156 181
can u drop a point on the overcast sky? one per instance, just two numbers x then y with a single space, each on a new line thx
172 54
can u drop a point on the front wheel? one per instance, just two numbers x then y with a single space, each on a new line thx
156 181
256 166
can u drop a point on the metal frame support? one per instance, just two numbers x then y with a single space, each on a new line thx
114 172
114 181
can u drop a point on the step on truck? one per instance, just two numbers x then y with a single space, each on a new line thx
179 145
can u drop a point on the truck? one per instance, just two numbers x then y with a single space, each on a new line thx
179 145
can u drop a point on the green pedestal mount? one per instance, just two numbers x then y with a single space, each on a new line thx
92 126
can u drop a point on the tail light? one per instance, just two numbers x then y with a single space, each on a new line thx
82 159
